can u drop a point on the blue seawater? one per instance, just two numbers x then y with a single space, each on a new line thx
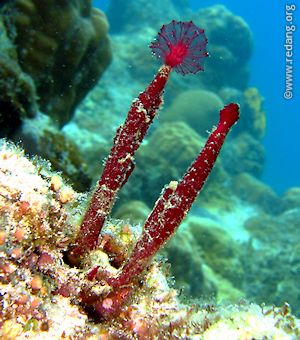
267 20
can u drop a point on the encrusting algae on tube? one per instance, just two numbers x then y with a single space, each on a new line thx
96 279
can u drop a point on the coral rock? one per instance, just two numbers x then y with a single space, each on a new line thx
244 154
64 47
252 190
17 90
198 108
40 293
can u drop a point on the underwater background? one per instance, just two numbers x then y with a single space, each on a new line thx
267 22
241 239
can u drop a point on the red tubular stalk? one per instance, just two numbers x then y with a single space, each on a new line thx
180 45
119 164
175 202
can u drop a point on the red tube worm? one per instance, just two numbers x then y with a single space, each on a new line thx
175 201
181 46
120 162
168 212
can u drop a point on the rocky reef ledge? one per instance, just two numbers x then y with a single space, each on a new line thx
40 293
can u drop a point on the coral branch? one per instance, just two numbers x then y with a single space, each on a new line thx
175 202
120 164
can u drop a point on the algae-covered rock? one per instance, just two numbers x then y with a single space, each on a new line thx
226 292
291 198
272 260
269 229
254 191
220 251
17 90
205 261
176 143
33 196
244 154
39 219
254 113
50 55
40 136
231 94
253 120
197 108
134 211
187 263
63 46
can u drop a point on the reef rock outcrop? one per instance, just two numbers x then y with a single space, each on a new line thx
63 46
